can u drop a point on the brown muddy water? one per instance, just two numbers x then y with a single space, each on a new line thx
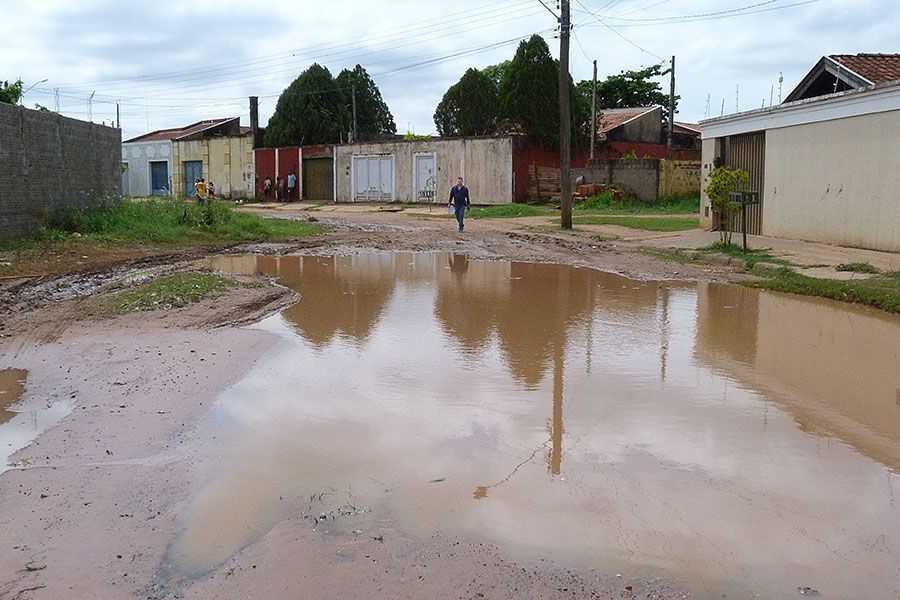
739 442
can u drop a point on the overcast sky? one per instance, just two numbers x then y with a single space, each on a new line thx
170 63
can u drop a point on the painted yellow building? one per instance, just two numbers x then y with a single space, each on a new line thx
221 153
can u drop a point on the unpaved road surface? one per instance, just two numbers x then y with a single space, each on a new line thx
91 507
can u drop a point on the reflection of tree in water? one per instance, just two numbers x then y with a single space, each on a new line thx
338 295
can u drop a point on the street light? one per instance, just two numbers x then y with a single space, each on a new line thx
29 89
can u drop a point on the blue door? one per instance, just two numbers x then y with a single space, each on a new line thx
159 178
193 170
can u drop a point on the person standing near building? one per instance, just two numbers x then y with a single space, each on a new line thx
267 188
459 199
201 191
291 185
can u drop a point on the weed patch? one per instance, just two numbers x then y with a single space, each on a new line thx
508 211
606 203
171 291
857 267
882 291
750 257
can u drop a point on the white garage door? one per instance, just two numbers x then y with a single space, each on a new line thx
373 178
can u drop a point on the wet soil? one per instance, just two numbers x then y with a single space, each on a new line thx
110 489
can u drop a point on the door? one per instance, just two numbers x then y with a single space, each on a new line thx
318 178
193 170
373 178
159 178
424 182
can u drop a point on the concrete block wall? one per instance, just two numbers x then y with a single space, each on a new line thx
49 162
640 177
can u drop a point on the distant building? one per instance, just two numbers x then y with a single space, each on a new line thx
168 161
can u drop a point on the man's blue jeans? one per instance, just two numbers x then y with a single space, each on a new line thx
460 213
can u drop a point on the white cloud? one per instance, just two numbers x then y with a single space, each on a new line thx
176 62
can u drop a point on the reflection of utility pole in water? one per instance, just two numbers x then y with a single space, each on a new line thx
559 349
664 333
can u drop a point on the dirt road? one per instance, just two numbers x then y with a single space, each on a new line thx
90 508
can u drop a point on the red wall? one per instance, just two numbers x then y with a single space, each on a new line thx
288 160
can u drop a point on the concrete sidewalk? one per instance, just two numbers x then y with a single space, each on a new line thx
815 259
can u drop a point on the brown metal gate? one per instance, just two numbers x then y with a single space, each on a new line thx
318 178
748 152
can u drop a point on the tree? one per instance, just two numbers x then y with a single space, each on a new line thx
469 107
495 72
311 110
628 89
11 92
722 181
528 94
373 117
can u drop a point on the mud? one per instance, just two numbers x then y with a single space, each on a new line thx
381 437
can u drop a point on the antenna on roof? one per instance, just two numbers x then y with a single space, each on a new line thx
780 81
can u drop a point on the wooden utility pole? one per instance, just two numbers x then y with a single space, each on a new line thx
565 119
671 109
594 113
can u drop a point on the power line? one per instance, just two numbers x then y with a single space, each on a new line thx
736 12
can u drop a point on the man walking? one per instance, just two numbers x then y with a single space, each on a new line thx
459 199
291 186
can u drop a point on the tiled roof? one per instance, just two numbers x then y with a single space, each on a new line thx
692 126
877 68
180 132
610 118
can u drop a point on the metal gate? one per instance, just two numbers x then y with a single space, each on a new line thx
159 178
748 152
318 178
373 178
424 183
193 170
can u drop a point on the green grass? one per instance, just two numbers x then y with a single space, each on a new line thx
881 291
170 291
605 203
507 211
857 267
166 221
646 223
750 257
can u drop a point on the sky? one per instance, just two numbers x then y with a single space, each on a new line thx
171 63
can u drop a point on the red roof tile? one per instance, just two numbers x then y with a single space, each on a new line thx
179 132
877 68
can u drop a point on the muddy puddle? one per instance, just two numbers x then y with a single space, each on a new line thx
734 441
20 428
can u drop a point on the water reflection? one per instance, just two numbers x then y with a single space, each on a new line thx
572 415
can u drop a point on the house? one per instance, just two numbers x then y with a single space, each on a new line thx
825 166
313 166
843 72
642 124
168 161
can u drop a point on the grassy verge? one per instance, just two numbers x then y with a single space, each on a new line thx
171 291
507 211
881 291
857 267
750 257
646 223
605 203
167 221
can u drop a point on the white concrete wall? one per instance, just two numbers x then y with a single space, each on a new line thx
138 155
227 162
485 163
836 182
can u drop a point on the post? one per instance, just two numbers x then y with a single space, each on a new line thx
744 222
671 109
353 95
565 120
594 113
117 116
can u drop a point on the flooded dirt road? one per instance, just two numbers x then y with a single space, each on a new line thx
741 443
430 425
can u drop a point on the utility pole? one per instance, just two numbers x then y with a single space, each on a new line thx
56 99
721 112
594 113
737 97
353 97
117 116
671 109
706 114
780 81
565 120
90 107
